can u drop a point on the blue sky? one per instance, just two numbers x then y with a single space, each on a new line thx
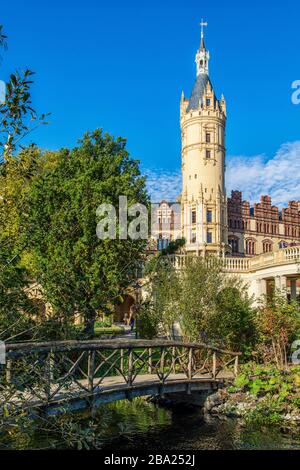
122 65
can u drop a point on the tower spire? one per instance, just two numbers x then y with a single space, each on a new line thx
202 56
202 24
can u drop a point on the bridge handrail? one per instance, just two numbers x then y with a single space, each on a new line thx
40 374
21 349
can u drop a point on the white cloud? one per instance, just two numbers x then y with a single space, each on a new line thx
163 184
278 177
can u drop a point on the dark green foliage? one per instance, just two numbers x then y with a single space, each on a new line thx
78 271
15 307
209 306
147 322
278 325
173 247
234 319
274 392
160 309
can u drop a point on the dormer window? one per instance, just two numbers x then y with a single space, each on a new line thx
208 102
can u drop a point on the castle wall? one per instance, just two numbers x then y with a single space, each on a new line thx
263 228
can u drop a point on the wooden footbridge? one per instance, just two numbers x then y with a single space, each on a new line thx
56 377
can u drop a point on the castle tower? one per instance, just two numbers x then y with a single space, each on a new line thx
203 121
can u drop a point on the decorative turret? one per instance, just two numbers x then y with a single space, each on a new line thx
202 56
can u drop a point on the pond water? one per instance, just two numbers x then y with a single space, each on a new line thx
140 425
156 428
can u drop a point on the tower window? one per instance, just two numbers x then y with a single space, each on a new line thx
208 154
209 237
194 217
193 237
208 102
209 217
207 138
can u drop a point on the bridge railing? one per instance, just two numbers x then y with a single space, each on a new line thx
42 373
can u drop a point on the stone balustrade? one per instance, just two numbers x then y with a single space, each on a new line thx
244 265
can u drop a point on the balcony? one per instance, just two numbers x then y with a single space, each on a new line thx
237 265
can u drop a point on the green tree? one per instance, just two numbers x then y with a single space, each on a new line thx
17 119
78 271
201 281
16 309
278 324
17 116
209 306
160 310
234 319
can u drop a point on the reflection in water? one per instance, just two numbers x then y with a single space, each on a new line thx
144 426
186 429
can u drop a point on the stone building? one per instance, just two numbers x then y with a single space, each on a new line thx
166 224
261 244
262 228
211 223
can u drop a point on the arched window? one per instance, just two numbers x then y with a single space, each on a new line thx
234 243
267 246
250 246
282 245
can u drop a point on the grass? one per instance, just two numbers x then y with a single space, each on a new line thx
108 330
103 329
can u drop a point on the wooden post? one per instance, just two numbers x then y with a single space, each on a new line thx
150 361
48 374
91 370
130 368
173 366
122 361
162 364
190 364
236 366
8 371
214 365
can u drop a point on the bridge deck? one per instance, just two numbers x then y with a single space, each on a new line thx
59 376
78 397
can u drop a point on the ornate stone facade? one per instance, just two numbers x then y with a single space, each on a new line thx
203 200
262 228
211 223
